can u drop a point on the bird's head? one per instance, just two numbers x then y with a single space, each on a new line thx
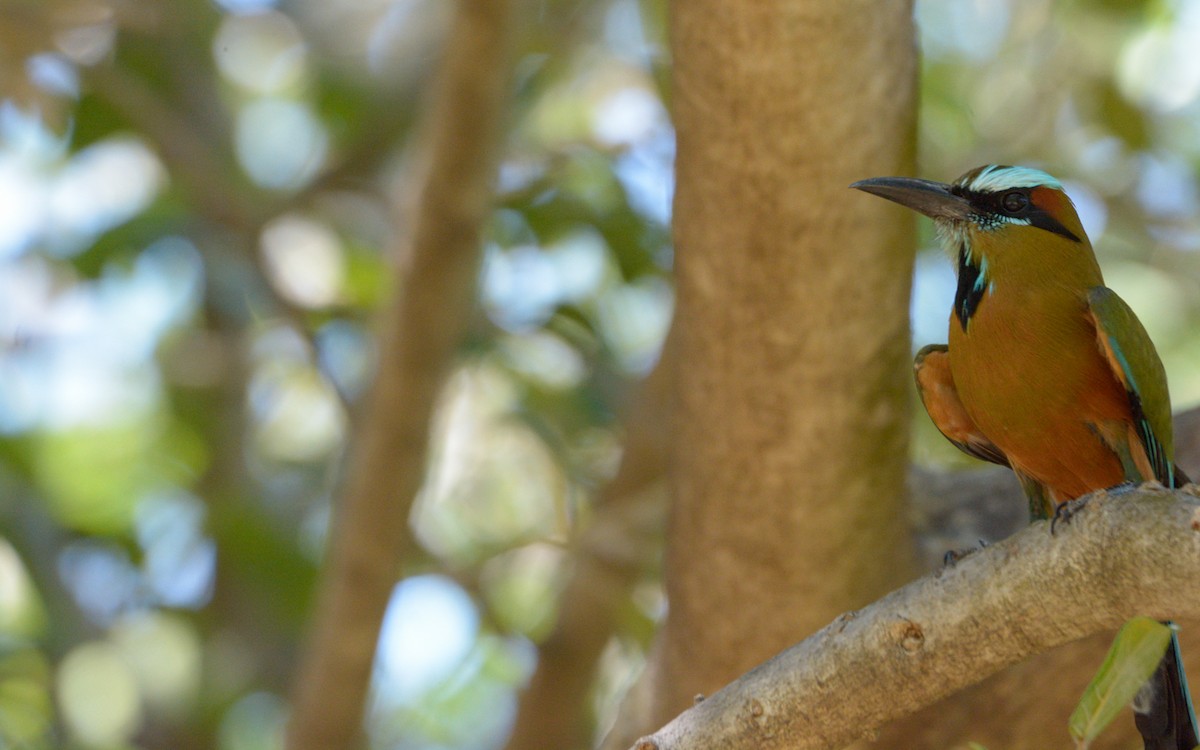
987 202
1011 227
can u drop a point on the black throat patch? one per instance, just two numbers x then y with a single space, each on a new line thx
971 287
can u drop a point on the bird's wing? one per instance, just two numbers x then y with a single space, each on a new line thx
1135 363
935 384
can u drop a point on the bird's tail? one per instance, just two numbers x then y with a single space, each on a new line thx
1163 709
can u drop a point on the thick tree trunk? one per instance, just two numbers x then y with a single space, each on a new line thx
792 326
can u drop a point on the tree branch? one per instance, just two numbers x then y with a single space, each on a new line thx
1133 554
955 510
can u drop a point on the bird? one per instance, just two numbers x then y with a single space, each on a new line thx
1046 370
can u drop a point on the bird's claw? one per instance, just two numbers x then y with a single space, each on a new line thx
1066 511
952 556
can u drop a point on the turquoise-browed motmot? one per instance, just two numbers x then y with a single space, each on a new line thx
1047 370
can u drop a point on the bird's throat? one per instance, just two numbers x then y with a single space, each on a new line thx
972 284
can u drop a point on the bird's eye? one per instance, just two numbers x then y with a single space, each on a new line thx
1014 202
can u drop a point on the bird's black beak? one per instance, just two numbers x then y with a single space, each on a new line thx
930 198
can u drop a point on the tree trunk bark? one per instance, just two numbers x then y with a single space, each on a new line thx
792 320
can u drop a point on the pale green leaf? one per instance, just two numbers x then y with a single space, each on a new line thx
1134 655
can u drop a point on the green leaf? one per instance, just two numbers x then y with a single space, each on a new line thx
1135 654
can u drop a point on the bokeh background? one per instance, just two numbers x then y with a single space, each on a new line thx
198 218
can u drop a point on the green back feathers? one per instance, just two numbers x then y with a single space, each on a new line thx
1131 354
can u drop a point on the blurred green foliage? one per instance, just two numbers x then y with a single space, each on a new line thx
197 225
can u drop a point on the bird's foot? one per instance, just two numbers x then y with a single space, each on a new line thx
1066 511
954 555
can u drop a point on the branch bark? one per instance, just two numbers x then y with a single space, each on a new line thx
1133 554
955 510
423 327
1011 709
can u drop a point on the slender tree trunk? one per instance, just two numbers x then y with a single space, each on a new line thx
792 321
422 328
610 555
